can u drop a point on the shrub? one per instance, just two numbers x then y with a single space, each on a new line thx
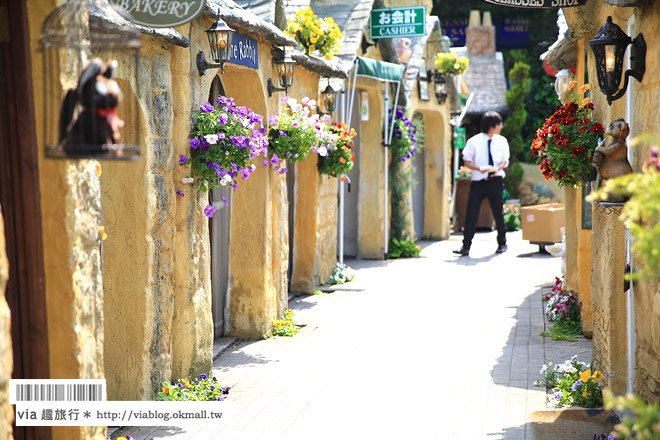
513 179
403 249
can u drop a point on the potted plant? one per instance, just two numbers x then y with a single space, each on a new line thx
404 142
315 34
448 63
292 134
336 157
223 143
565 144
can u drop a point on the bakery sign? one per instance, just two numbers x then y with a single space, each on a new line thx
539 4
159 13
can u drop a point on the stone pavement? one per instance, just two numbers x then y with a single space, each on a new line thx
438 347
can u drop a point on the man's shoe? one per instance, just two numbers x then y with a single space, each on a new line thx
463 251
501 249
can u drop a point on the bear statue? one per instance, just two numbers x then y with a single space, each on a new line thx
611 159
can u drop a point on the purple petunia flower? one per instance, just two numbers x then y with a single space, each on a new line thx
222 119
273 120
194 143
264 163
224 199
283 170
274 160
208 211
403 159
205 146
245 173
207 108
179 192
282 133
203 376
182 159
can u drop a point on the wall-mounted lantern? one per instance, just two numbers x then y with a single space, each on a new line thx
219 35
283 68
563 79
609 46
440 87
329 97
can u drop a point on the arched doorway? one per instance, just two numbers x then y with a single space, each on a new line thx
220 232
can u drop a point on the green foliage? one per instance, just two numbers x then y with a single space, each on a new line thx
641 421
200 389
448 64
512 222
515 100
564 330
642 212
341 274
403 249
286 326
513 179
318 291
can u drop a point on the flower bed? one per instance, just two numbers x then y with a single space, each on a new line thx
200 389
562 308
573 383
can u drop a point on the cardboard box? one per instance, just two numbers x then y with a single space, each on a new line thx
542 223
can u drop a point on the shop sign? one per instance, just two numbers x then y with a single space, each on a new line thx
539 4
159 13
244 51
459 137
398 22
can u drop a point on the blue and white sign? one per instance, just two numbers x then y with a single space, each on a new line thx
244 51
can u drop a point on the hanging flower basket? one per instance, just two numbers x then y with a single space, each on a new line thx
337 158
315 34
404 142
448 64
565 144
223 143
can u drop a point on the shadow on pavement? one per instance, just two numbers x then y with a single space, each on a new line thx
236 356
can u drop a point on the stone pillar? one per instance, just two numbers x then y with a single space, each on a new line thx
584 272
328 218
305 276
371 204
437 162
610 348
570 200
6 356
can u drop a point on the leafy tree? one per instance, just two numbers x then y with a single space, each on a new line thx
515 100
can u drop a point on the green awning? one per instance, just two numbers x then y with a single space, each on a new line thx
380 70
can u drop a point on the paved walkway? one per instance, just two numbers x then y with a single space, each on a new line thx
439 347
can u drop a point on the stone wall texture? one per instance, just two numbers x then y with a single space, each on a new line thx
6 356
645 19
609 300
328 219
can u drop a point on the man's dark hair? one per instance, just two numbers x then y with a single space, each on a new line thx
490 120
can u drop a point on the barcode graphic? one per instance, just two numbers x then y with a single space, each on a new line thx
58 392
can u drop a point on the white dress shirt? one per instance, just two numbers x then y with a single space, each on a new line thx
476 151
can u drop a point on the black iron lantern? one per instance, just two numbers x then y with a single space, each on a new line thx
609 46
283 68
329 96
440 88
219 35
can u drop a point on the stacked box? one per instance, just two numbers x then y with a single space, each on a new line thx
542 223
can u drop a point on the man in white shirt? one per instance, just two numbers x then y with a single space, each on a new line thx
486 154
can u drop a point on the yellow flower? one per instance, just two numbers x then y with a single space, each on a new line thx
586 374
99 171
312 48
103 234
597 375
585 393
329 57
313 39
332 35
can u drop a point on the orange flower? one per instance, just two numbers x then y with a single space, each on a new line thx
585 101
597 375
342 160
103 234
342 178
166 390
584 88
586 374
571 85
99 170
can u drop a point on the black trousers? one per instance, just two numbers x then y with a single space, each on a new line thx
480 189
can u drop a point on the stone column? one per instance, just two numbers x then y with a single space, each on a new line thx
610 348
570 200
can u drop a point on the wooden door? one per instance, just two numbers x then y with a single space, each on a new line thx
20 204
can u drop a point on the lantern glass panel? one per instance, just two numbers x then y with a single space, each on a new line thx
610 57
284 74
330 100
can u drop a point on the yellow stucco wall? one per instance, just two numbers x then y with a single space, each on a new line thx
328 218
584 22
571 213
6 356
371 203
72 255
